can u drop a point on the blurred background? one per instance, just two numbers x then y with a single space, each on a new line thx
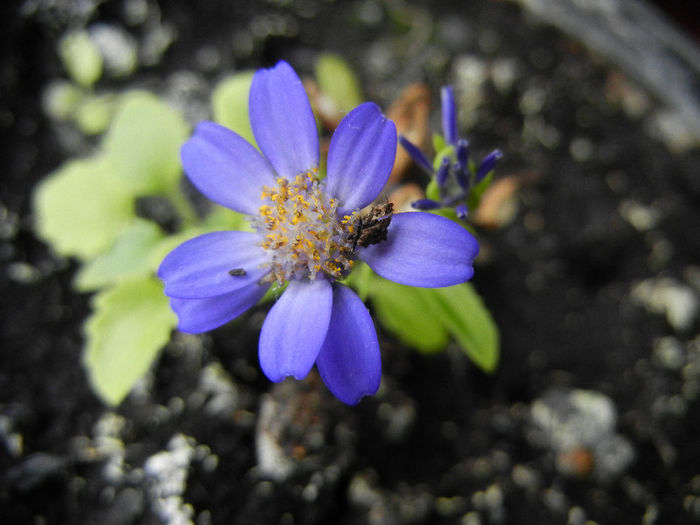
589 264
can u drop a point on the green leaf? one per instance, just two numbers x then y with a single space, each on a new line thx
338 82
93 115
465 316
82 208
131 323
273 293
403 312
230 104
168 244
432 191
449 213
448 151
438 142
361 279
81 58
144 142
222 218
128 258
61 99
478 191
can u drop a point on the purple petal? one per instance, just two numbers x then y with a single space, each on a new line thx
201 315
461 175
295 329
462 212
449 115
463 152
199 268
226 168
426 204
442 172
282 120
349 361
488 164
416 154
361 156
424 250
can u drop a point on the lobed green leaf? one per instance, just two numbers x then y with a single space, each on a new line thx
222 218
478 191
61 99
338 82
439 143
129 257
131 322
144 142
81 58
230 104
93 114
82 208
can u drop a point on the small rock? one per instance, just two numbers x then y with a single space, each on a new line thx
118 48
297 433
669 353
406 505
665 295
166 476
579 427
642 218
222 392
35 470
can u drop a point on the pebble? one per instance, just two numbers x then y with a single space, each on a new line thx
155 42
398 416
223 394
526 477
118 48
579 427
504 73
135 11
405 505
295 433
471 518
13 441
642 218
166 475
470 73
581 149
35 470
532 100
665 295
448 507
23 273
577 516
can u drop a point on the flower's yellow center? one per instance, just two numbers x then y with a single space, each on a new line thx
301 230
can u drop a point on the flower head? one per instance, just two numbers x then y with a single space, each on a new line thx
308 232
455 175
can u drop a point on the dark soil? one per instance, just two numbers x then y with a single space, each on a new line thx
207 439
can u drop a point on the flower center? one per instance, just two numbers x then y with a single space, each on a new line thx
300 228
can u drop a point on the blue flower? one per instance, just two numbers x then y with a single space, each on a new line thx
307 232
455 176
